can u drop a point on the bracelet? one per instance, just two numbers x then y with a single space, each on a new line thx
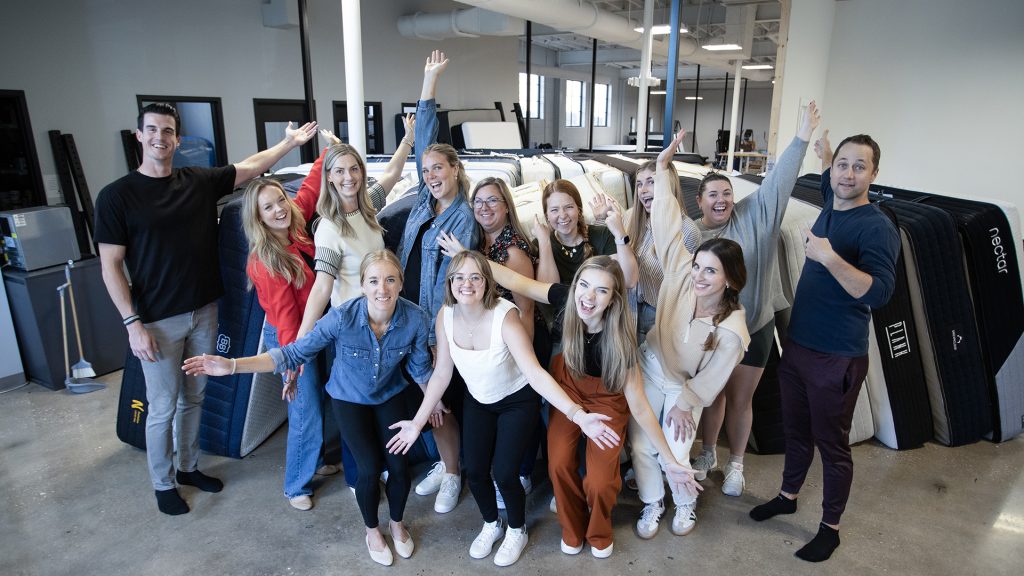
234 365
406 141
131 319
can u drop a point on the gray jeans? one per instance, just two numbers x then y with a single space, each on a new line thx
176 400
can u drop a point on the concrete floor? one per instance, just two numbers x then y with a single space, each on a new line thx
78 501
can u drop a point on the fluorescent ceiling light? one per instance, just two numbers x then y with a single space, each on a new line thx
758 67
656 92
722 47
694 98
660 30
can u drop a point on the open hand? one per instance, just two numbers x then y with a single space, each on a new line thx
681 422
809 122
680 477
436 63
301 135
593 425
207 364
403 440
665 157
329 137
450 245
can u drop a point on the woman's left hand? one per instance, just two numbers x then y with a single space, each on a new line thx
614 221
680 477
329 136
302 134
665 157
436 417
403 440
681 422
450 245
593 425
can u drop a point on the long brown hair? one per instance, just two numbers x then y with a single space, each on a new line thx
452 157
730 254
329 204
490 286
567 187
510 205
619 355
263 245
639 218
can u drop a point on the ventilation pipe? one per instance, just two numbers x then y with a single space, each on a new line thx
468 23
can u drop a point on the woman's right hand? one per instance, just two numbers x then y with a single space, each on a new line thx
665 157
450 245
436 63
403 440
207 364
329 136
593 425
540 229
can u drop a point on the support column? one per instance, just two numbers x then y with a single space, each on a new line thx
645 76
735 114
353 44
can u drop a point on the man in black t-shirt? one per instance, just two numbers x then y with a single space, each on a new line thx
162 224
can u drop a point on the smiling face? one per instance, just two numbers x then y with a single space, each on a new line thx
716 202
159 137
563 213
853 171
382 283
274 210
594 292
645 189
490 209
708 277
440 176
468 282
346 177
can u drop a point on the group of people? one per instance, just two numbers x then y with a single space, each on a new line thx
642 327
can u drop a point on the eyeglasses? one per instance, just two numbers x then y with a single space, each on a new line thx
491 202
462 279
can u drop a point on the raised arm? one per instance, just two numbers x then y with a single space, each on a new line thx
666 213
393 171
547 270
823 149
623 252
426 108
260 162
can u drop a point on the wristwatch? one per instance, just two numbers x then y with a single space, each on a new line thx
625 240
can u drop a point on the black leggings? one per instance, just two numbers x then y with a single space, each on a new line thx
495 435
365 429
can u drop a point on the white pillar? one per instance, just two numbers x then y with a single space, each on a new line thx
353 45
645 76
735 115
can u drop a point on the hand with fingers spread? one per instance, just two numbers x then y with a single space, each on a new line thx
406 436
665 156
302 134
681 422
449 243
680 477
593 425
600 204
809 122
329 137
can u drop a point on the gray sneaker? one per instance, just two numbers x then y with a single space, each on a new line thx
705 462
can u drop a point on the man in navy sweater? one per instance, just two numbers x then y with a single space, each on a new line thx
850 269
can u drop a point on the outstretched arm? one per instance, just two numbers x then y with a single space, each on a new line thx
393 171
220 366
260 162
514 281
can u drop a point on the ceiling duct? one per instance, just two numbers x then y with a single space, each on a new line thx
468 23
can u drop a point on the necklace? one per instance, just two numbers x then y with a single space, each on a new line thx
569 252
470 329
591 337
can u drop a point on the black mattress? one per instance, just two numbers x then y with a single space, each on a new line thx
994 278
944 318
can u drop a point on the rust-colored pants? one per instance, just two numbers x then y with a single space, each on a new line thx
599 490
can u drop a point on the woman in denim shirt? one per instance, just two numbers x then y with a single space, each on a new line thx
442 204
374 337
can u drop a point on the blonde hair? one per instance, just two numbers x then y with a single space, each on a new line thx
376 256
329 204
513 216
263 245
619 355
452 157
567 187
638 220
490 287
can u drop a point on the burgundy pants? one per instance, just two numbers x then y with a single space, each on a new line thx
819 393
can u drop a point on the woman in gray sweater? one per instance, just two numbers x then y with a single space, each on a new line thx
754 223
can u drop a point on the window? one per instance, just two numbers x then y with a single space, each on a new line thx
602 104
272 117
573 103
374 125
536 95
202 129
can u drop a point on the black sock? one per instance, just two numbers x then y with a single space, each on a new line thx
170 502
200 480
820 548
778 505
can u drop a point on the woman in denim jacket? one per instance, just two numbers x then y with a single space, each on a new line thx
442 204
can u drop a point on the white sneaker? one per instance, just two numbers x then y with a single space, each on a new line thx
432 482
705 462
650 520
553 506
571 550
498 497
734 482
685 519
489 534
512 547
602 552
448 493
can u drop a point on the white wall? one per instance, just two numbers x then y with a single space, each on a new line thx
938 84
82 63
